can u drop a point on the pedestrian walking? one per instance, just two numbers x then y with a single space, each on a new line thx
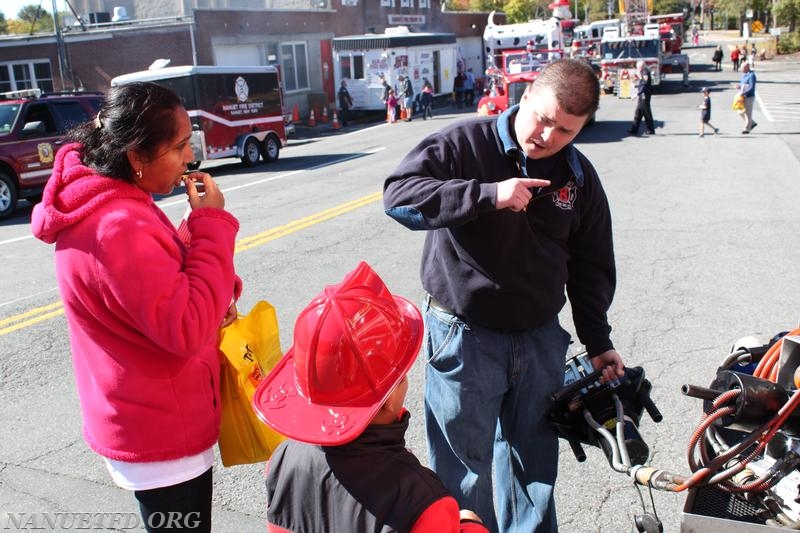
345 103
705 114
426 99
644 91
747 88
514 215
735 58
717 58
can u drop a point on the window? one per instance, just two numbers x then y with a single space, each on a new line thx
294 66
26 75
43 77
22 77
351 67
41 113
272 54
5 79
70 114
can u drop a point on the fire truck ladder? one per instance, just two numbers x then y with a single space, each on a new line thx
635 15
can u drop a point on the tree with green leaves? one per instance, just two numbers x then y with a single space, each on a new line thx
36 19
3 25
788 13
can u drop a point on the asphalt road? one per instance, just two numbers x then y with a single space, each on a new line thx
704 233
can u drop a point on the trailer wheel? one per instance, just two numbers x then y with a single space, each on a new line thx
271 149
251 152
8 196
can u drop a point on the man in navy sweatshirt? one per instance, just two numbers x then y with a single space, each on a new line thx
514 215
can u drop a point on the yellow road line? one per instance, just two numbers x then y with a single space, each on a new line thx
45 312
291 227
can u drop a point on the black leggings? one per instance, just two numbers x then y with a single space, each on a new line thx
185 505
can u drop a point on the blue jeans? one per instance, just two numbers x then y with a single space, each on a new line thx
486 400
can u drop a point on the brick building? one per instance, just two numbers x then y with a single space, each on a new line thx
292 34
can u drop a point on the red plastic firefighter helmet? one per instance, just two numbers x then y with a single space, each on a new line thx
353 344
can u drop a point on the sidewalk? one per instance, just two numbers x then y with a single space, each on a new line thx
361 119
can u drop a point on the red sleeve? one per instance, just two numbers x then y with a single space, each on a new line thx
442 517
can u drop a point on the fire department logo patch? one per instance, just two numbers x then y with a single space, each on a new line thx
564 198
45 153
241 88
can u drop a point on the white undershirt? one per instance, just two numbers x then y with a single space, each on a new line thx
153 475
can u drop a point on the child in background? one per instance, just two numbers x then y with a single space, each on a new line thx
705 114
391 107
338 393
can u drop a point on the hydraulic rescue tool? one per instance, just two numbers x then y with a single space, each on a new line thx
744 454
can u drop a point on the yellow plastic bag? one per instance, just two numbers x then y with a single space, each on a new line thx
738 103
249 348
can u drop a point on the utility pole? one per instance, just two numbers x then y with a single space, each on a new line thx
63 62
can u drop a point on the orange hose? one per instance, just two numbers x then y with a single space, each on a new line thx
767 368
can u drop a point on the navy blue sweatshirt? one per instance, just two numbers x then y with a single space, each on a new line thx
502 269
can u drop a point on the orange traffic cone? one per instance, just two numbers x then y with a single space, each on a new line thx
335 125
325 114
311 120
296 114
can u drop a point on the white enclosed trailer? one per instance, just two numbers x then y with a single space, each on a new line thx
364 60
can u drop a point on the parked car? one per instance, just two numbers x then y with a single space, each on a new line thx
32 128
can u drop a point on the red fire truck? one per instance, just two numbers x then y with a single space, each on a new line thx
656 40
517 69
516 53
235 111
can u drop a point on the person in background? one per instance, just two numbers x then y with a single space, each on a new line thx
469 88
427 99
345 103
385 86
144 302
458 89
735 58
516 220
705 114
717 58
644 90
391 107
747 88
406 98
341 388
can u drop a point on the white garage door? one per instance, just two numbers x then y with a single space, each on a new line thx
235 55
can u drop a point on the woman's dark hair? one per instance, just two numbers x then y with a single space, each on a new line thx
137 116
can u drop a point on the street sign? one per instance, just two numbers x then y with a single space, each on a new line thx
757 26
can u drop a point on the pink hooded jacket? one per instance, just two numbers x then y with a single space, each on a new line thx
143 311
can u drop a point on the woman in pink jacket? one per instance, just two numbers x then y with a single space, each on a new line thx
144 303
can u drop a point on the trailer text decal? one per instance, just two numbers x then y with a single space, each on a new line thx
236 110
